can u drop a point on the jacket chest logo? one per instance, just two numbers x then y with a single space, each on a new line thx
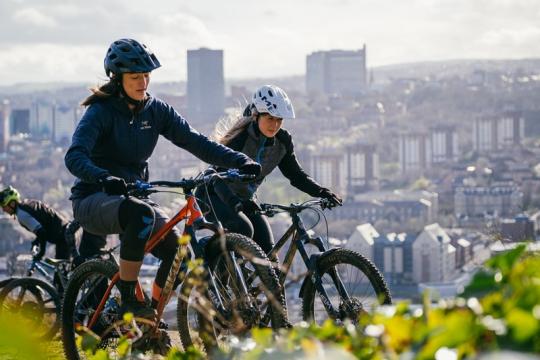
145 124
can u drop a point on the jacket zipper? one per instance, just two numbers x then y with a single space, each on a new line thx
260 150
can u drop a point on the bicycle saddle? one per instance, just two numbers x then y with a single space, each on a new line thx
55 262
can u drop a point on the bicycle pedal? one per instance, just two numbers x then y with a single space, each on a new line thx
163 325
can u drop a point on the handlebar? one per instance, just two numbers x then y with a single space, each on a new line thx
140 188
273 209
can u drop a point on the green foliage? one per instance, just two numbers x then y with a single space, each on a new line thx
499 310
505 317
16 342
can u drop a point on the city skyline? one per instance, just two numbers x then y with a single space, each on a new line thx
67 42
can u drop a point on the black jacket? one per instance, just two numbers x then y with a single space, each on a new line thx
111 140
270 153
46 223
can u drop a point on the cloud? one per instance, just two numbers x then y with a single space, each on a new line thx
32 16
50 62
504 37
268 39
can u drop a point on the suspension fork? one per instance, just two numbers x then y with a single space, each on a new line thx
316 278
174 271
311 262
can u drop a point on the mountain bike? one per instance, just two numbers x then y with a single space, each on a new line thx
92 299
339 283
39 300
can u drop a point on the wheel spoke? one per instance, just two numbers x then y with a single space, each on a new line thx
20 297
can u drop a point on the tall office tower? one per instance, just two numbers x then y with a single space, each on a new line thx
414 152
327 167
205 85
340 72
20 121
41 119
497 132
4 125
64 120
444 144
362 164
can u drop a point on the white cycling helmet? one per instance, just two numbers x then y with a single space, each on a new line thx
273 100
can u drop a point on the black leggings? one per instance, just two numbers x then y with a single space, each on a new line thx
139 220
254 226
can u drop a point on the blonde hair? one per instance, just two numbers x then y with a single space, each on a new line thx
230 126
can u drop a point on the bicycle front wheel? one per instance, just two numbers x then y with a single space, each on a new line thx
203 321
362 288
84 292
36 302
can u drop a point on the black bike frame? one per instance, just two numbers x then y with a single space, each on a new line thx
300 237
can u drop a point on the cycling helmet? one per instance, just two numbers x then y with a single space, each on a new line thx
8 194
273 100
129 56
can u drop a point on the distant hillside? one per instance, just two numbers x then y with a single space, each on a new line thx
381 74
452 68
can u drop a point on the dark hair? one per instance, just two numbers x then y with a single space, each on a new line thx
110 88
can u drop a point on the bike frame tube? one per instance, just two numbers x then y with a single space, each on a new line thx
194 214
44 269
190 211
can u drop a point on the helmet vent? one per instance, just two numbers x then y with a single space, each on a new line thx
270 93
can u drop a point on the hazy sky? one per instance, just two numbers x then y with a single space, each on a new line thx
65 40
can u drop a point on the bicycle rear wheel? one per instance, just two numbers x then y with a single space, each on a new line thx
36 301
361 280
201 322
82 295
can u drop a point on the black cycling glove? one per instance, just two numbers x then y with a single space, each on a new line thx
331 197
247 207
251 168
113 185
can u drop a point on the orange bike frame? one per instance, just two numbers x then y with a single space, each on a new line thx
190 211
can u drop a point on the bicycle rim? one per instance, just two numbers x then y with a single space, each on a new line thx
83 294
362 282
37 304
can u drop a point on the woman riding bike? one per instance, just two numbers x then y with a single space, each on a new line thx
110 147
259 135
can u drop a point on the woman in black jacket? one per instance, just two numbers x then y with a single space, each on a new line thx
111 145
259 135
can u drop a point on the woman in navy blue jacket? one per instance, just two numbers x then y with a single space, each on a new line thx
111 145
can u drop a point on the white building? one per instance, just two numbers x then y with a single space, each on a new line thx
434 257
362 240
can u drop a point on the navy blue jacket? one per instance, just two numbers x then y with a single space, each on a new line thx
112 140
